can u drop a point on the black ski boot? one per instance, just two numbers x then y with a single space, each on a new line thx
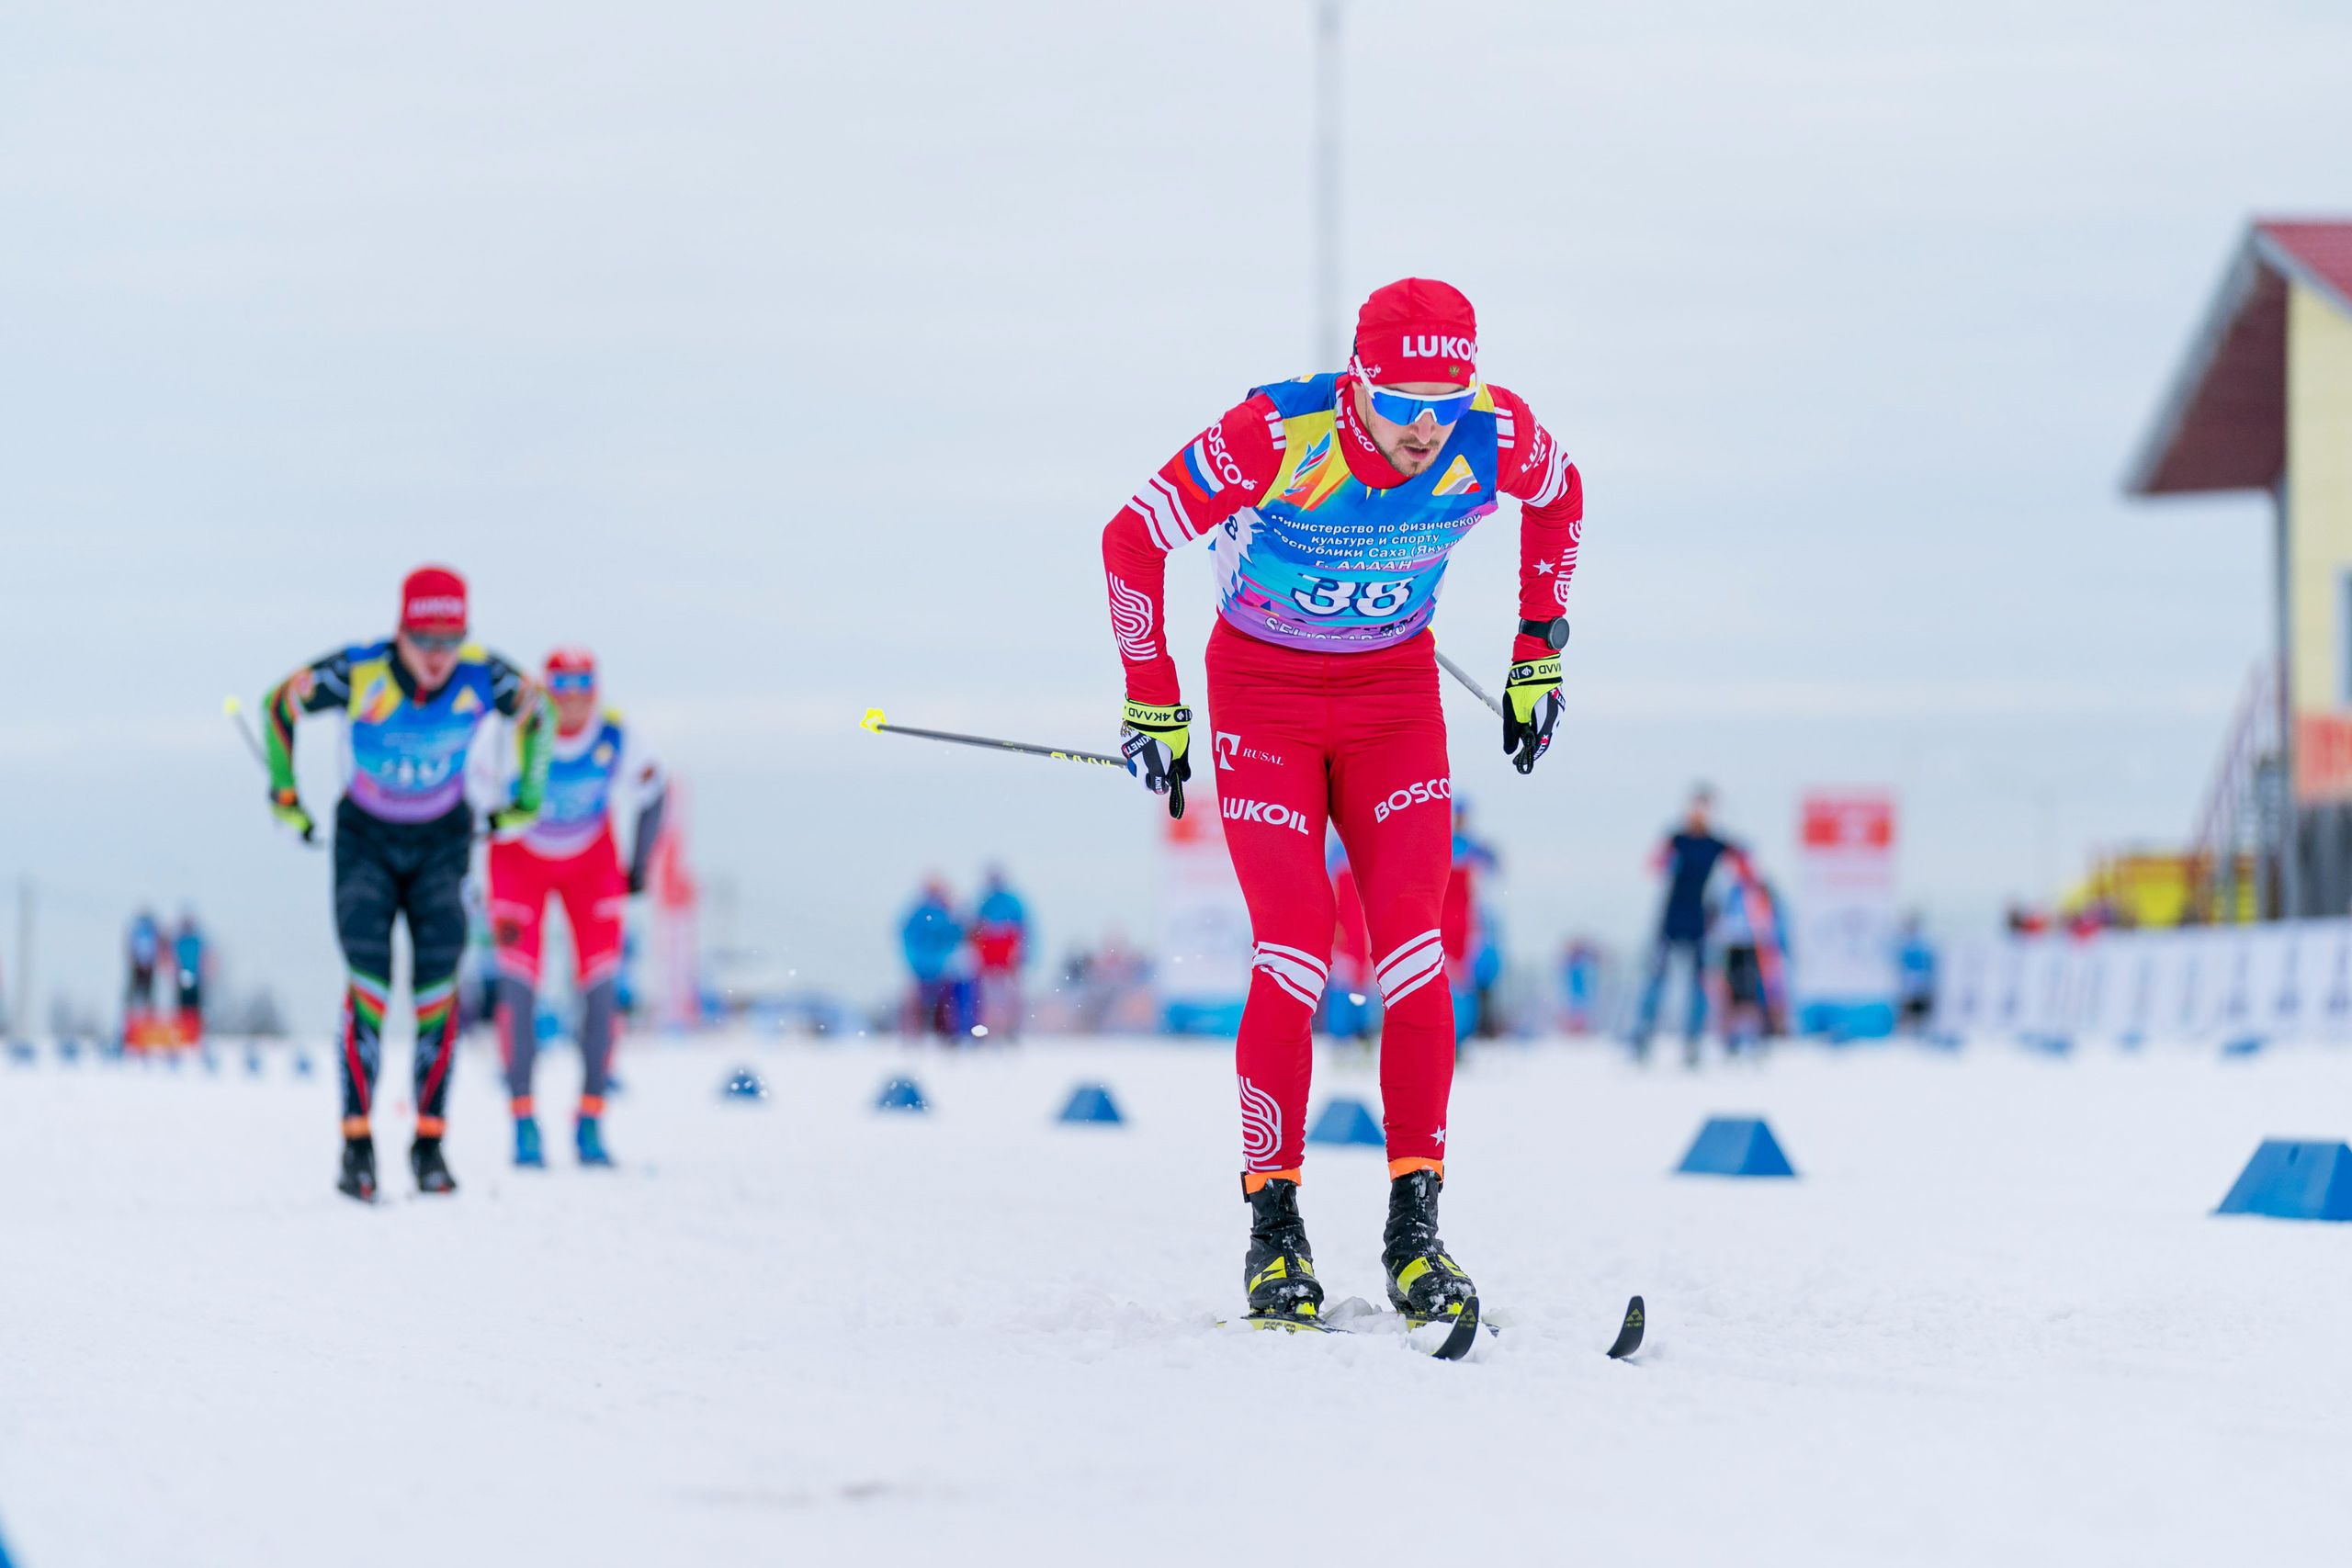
1424 1284
1279 1272
432 1170
358 1179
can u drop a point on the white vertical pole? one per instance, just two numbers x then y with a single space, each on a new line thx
1329 345
2286 814
25 1016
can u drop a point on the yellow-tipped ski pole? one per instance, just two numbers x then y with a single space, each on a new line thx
236 712
877 724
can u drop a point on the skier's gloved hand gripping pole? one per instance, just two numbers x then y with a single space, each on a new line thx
283 803
1532 696
876 723
1155 741
1531 704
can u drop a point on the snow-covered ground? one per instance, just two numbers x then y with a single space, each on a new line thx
1993 1321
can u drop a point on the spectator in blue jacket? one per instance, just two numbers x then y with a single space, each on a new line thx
933 936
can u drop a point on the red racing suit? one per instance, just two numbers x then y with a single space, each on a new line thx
569 853
1323 707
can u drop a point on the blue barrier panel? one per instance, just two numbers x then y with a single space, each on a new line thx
2294 1181
1346 1121
4 1554
901 1094
1736 1146
1091 1103
743 1084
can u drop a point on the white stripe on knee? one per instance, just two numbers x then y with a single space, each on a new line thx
1299 972
1412 967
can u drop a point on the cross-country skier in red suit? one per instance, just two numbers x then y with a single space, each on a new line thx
1331 503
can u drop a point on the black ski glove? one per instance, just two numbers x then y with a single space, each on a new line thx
1154 740
1531 707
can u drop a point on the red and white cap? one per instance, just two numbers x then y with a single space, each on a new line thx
433 601
574 661
1417 329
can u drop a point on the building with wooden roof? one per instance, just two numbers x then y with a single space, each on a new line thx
2263 401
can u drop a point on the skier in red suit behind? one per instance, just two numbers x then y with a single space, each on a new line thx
593 773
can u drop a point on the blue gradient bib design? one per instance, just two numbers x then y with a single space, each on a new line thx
580 790
1331 564
408 758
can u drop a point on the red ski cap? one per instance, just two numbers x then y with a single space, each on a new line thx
574 661
1418 329
433 601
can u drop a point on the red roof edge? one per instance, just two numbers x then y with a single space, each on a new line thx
2316 252
2222 422
2222 425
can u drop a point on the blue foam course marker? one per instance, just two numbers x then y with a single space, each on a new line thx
1736 1146
21 1052
743 1084
901 1094
2244 1045
301 1064
2294 1179
1091 1103
1347 1121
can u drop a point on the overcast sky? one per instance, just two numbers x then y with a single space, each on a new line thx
794 356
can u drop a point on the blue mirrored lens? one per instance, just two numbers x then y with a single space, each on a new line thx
571 681
1402 408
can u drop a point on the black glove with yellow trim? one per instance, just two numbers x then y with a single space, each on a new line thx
1154 740
1531 707
511 821
287 806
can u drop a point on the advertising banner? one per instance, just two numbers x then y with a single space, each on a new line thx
2288 979
1843 950
1205 948
2323 758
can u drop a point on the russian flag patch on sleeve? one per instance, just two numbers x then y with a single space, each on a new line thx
1199 470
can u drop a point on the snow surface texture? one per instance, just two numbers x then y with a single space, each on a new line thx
1991 1321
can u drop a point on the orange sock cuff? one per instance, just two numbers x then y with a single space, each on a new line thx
522 1106
430 1126
1397 1167
1253 1179
592 1105
356 1127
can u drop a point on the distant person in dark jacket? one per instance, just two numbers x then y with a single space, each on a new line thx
1688 858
